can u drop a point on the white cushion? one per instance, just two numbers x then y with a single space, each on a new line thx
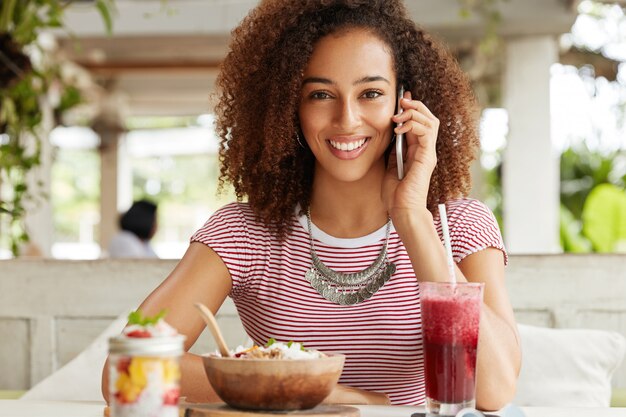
80 379
567 367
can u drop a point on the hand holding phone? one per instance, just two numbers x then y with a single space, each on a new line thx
400 137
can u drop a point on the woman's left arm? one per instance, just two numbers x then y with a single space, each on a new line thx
499 356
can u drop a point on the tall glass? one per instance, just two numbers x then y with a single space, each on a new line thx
450 321
144 376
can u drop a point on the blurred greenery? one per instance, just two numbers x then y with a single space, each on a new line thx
604 218
493 191
593 199
571 236
24 85
582 169
185 188
75 194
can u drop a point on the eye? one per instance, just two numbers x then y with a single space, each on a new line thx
319 95
371 94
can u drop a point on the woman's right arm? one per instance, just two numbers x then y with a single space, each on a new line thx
200 276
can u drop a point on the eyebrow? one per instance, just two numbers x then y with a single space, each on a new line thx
366 79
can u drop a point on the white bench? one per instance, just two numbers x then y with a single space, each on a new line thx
51 310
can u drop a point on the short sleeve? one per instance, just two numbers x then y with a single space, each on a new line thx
473 227
226 232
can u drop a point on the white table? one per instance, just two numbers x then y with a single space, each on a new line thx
24 408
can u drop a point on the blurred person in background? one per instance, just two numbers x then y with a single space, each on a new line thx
137 226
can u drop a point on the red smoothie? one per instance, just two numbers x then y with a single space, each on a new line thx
450 318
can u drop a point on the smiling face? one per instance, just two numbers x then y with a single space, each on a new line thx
348 98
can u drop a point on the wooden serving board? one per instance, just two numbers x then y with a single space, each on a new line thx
221 410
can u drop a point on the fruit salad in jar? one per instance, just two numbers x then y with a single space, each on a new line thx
144 371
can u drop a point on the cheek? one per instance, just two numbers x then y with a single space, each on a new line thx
312 120
380 119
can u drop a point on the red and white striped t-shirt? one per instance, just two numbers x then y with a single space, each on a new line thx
381 337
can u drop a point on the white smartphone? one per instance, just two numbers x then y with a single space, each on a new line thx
400 137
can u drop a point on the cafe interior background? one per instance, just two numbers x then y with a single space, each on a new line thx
115 105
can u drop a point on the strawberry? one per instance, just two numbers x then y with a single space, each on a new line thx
139 333
122 365
170 397
120 398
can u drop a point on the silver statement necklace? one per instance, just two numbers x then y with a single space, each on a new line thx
353 288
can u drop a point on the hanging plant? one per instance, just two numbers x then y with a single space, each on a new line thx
23 87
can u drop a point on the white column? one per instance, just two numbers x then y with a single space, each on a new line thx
109 154
38 219
530 165
124 176
109 125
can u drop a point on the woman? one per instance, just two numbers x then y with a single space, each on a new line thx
306 117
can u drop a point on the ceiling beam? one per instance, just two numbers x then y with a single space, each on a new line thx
126 66
219 17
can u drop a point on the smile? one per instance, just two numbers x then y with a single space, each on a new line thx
347 146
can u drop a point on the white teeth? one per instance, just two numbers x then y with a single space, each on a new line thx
342 146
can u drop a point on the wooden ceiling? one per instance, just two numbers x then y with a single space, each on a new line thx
164 57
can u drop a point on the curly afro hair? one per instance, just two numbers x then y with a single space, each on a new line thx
259 87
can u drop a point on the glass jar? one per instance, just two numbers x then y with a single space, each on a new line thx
144 376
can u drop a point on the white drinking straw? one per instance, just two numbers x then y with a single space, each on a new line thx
446 240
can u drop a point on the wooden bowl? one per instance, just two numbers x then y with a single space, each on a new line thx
273 384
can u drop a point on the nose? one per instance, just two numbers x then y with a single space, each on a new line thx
347 114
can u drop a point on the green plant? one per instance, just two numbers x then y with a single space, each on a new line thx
570 232
604 218
602 227
593 201
582 170
23 86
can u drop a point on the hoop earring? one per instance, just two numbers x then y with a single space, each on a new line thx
299 142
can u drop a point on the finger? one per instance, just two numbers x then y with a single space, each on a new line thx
422 108
406 104
413 127
412 114
416 128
